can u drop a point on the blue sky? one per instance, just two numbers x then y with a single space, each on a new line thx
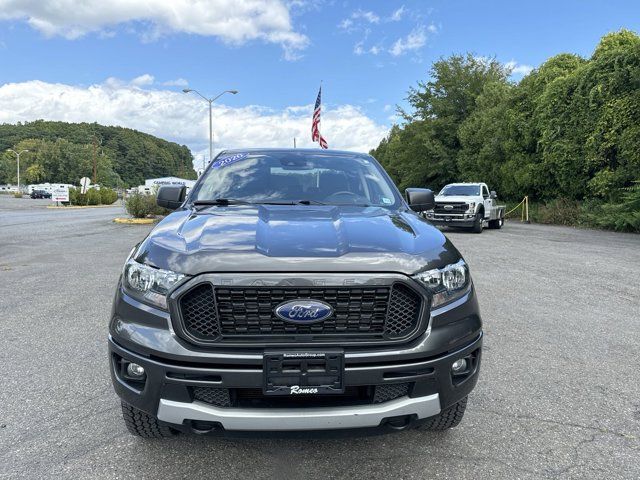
87 60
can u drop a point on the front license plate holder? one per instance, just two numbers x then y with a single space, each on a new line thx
303 372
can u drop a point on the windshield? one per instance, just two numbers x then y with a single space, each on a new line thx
291 177
462 190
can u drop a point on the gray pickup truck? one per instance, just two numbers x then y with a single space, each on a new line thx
467 205
294 290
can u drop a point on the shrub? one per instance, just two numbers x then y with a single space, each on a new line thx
77 198
82 199
622 216
141 206
93 197
560 211
18 195
107 196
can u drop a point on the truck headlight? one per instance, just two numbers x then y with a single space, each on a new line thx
148 284
472 207
446 284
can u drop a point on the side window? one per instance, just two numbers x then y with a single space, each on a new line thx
485 192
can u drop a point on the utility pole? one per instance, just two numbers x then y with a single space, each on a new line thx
18 161
95 161
210 101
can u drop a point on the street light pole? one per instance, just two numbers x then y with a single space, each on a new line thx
210 102
18 162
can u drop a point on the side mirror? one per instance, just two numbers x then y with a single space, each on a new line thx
171 197
493 194
420 199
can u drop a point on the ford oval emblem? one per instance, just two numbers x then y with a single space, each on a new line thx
304 311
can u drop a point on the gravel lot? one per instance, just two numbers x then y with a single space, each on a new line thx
558 396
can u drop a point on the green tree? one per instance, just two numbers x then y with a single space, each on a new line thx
34 173
424 151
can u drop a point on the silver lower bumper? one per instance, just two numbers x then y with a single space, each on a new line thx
272 419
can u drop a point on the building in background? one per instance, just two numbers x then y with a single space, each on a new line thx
47 187
153 184
8 188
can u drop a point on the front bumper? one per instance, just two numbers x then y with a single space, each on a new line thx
167 392
292 419
454 220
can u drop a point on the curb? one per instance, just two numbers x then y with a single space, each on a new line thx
71 207
135 221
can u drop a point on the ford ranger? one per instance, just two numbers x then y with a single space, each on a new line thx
467 205
294 290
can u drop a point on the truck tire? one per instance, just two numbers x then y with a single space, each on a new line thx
496 224
448 418
479 223
142 424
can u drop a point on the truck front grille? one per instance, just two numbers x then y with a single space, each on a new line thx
246 314
455 208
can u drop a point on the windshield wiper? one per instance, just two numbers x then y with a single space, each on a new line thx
223 202
220 202
295 202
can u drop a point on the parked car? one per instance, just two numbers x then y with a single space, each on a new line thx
294 290
467 205
40 194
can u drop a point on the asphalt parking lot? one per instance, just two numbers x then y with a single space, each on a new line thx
558 397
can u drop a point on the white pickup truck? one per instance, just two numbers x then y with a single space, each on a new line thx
467 205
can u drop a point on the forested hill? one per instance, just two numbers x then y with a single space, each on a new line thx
63 152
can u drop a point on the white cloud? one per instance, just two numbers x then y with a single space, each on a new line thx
366 15
415 40
518 69
397 15
359 49
346 24
357 18
178 82
143 80
232 21
183 118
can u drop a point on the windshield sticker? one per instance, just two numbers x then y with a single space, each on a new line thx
386 201
223 162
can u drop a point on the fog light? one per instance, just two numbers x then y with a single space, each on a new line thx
135 370
459 366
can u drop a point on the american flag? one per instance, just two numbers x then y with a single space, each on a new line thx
315 124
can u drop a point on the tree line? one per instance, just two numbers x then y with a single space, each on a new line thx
567 132
61 152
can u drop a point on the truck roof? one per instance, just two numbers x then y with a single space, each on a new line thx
466 183
295 150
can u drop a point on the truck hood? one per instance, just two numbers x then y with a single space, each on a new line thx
273 238
455 198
